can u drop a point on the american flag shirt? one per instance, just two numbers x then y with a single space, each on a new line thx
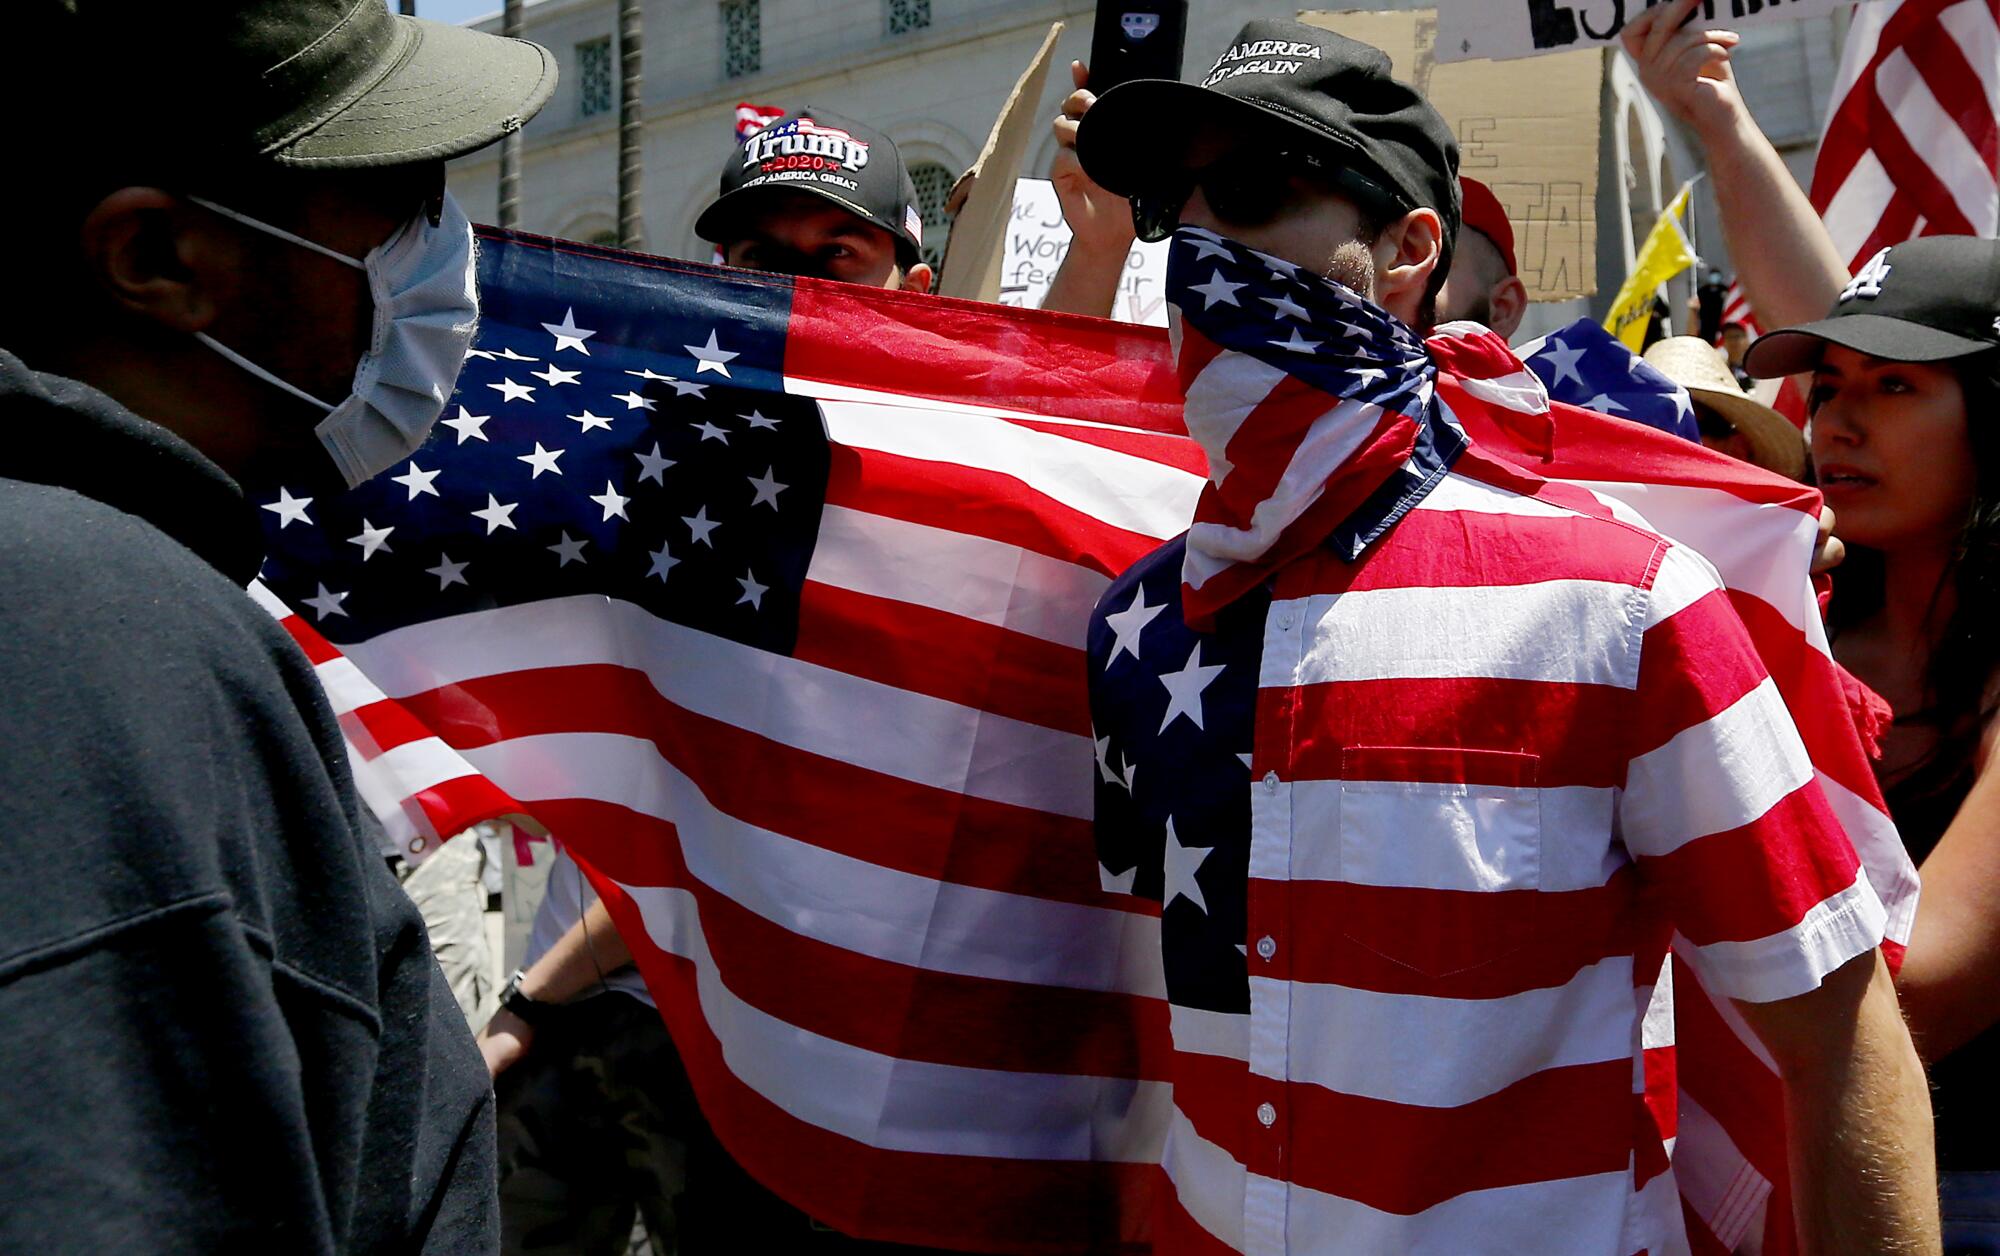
1427 759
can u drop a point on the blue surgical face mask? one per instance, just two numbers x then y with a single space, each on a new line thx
426 299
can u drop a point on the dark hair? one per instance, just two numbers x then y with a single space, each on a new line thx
1962 666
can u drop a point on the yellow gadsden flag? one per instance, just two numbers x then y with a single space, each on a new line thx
1665 254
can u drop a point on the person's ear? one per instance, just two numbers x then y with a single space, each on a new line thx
917 279
1509 302
1407 253
145 250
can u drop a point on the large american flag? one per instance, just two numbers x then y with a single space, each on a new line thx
768 597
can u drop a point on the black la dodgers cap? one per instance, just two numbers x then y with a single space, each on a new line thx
1925 300
849 163
1313 84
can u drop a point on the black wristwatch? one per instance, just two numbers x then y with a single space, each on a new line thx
532 1011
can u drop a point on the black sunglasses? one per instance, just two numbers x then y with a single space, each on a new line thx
1251 187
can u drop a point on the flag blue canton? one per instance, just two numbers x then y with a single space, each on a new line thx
617 431
1585 365
1173 716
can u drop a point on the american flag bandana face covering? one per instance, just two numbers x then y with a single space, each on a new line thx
1305 397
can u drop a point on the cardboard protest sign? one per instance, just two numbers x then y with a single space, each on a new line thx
1527 131
1038 240
1504 29
972 255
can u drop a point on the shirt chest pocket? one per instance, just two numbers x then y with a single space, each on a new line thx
1443 849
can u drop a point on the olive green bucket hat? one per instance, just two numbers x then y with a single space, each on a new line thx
312 84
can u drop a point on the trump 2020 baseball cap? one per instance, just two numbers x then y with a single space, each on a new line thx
309 84
1300 82
1926 300
826 155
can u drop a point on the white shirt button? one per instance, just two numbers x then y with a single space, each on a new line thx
1270 782
1267 946
1267 1115
1288 620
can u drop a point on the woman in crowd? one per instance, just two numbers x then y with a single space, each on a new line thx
1905 411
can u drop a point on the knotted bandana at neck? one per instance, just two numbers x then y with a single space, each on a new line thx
1311 403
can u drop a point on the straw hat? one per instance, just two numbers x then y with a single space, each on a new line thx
1699 367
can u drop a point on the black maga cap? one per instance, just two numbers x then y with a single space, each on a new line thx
1926 300
854 166
1309 83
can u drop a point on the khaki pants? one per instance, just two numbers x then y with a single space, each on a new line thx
452 899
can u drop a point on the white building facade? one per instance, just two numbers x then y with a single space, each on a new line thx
933 74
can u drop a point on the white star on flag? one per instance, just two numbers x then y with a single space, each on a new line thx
1131 771
756 419
650 374
417 480
1206 245
701 525
1103 747
712 357
663 563
496 515
1183 861
613 504
633 401
1281 269
1286 306
448 572
653 465
1371 374
1117 882
512 356
327 603
511 391
468 425
556 375
1219 291
710 431
587 421
371 539
1605 403
289 509
682 388
753 592
568 335
542 460
1356 330
1129 623
1184 689
1297 344
767 488
1564 359
569 550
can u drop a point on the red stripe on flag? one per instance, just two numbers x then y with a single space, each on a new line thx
944 655
1562 1122
978 502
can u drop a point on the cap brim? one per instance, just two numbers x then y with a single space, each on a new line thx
455 90
710 226
1796 350
1777 445
1136 136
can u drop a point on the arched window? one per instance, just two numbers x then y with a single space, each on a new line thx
933 186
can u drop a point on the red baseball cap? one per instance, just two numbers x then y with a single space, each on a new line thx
1485 214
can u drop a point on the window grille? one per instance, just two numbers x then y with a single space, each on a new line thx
742 38
593 77
933 183
908 15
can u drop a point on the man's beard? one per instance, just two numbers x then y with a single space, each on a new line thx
1352 266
